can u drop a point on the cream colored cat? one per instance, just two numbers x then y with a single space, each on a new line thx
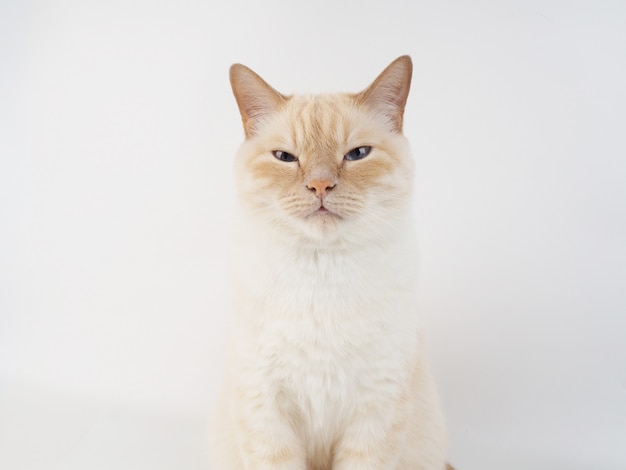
327 367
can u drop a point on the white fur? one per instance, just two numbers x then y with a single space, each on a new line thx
320 335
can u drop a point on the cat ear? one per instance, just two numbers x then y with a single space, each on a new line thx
255 98
388 94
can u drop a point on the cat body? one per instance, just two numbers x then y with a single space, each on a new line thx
327 367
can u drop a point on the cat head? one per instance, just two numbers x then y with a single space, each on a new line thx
325 167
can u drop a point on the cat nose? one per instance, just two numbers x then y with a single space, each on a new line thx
320 186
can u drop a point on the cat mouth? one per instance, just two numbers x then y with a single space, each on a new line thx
324 211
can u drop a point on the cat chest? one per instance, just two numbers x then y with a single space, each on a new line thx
323 336
325 368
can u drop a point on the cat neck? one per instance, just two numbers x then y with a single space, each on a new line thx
351 270
259 234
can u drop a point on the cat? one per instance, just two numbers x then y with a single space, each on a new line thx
327 367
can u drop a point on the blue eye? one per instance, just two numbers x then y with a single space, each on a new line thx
284 156
358 153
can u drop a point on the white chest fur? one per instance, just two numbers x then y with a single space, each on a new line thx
326 329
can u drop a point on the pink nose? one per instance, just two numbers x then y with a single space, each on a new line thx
320 186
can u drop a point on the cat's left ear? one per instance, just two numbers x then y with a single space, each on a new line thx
255 98
388 93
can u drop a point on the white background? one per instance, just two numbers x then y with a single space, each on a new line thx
117 135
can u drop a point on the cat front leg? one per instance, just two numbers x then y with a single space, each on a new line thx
265 435
373 441
406 431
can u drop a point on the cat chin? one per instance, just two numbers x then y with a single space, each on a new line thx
327 228
318 228
324 217
323 223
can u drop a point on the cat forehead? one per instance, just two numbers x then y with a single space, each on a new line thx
317 122
319 110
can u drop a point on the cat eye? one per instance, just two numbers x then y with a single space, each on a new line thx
284 156
358 153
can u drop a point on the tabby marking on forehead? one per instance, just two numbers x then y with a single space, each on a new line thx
318 125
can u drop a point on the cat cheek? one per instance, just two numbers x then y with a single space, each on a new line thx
370 174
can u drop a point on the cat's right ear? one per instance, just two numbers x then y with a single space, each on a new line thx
255 98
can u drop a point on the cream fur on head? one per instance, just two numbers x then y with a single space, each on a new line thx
327 368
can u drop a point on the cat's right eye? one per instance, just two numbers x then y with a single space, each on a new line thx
284 156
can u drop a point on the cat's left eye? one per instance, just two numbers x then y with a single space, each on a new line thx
358 153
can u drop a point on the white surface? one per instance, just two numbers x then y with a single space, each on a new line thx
51 430
117 131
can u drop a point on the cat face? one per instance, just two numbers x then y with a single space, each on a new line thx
326 166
